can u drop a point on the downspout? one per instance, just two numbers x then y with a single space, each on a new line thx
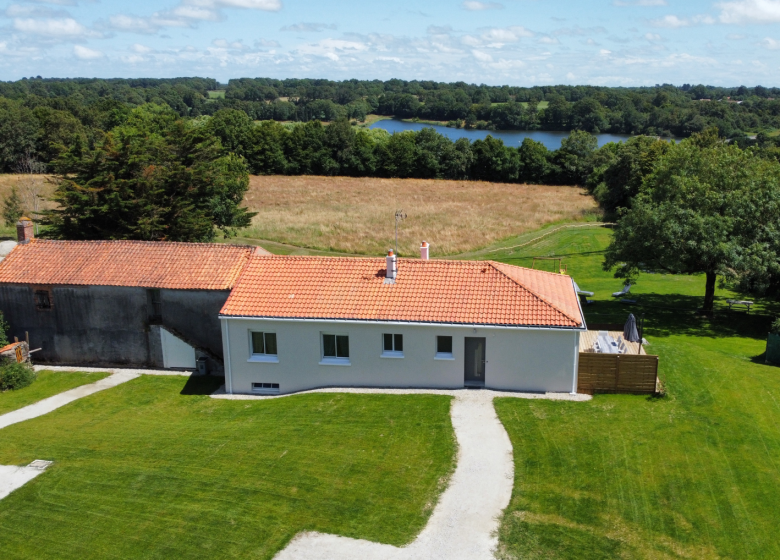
576 363
226 351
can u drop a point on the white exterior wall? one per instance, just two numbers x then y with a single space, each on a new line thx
542 360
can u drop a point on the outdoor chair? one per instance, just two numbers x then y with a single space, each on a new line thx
625 291
582 292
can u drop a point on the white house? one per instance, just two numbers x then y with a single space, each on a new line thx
296 323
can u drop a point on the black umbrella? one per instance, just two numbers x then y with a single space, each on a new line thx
629 330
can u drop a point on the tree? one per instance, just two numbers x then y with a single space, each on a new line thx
711 209
12 207
156 177
18 133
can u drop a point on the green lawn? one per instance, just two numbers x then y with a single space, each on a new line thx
216 94
47 384
692 475
154 468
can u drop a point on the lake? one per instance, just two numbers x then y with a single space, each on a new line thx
510 137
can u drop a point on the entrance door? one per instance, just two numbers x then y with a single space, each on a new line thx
475 362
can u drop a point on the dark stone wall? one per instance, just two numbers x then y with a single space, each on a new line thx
110 325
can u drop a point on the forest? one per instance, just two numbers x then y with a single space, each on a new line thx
663 110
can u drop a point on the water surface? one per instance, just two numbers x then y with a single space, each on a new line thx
512 138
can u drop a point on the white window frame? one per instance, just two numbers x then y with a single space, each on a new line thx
331 360
392 353
262 358
444 355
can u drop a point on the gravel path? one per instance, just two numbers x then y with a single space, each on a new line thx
464 523
53 403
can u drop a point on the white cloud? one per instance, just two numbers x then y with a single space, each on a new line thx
549 41
265 5
750 11
331 48
85 53
141 49
482 56
308 27
652 36
22 10
605 52
671 22
506 34
735 37
196 13
674 22
475 6
770 44
55 28
640 3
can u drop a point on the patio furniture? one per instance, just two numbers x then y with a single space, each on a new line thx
743 303
625 291
581 292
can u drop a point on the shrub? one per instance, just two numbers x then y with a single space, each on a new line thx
15 376
775 328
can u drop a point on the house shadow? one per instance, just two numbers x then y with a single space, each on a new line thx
202 384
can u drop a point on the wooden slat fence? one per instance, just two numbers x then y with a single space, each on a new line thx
617 373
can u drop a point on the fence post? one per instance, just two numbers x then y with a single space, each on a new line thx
617 371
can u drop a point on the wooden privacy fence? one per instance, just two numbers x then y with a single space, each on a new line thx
617 373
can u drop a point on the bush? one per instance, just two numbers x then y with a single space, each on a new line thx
775 328
15 376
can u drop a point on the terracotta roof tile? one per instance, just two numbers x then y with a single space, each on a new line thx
148 264
437 291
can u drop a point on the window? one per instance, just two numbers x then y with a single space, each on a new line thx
263 347
155 306
265 388
444 348
392 345
335 349
42 299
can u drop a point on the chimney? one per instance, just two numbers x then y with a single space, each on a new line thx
392 268
24 230
424 251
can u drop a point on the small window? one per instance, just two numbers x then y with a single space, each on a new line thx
42 299
264 344
335 346
155 305
444 348
444 345
265 388
393 343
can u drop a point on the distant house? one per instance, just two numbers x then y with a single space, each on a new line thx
130 303
296 323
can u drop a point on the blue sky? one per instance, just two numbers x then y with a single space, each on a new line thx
517 42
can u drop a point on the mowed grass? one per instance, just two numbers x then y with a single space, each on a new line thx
155 468
693 475
356 215
47 384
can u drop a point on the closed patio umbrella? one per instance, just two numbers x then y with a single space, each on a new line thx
629 330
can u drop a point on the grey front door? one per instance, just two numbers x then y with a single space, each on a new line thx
475 362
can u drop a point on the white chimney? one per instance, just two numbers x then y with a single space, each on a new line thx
392 267
424 251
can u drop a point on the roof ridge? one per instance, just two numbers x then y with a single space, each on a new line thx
529 290
144 242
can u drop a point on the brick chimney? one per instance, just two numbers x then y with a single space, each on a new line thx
392 268
24 230
424 250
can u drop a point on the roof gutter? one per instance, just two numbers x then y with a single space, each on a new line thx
420 323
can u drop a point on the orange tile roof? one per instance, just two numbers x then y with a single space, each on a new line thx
429 291
148 264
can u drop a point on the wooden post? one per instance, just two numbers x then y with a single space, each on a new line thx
617 371
27 337
16 339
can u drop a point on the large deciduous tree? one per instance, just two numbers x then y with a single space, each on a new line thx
707 207
156 177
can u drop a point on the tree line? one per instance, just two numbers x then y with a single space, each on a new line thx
37 114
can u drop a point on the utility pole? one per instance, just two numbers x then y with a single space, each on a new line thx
400 215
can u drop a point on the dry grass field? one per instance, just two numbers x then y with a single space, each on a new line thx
355 215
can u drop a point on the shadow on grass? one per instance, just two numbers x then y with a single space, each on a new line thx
202 384
671 314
